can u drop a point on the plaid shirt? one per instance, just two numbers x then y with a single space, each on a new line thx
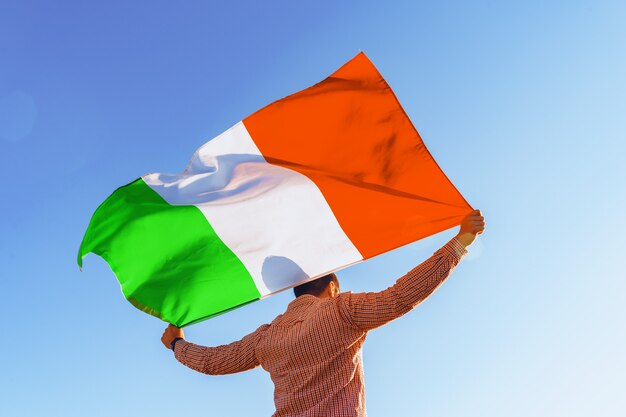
313 350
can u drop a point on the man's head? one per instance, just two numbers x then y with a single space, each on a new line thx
323 287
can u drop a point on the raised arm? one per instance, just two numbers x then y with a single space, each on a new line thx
367 311
235 357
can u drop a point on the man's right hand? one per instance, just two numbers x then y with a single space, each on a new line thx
171 332
473 224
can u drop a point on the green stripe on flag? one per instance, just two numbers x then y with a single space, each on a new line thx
168 259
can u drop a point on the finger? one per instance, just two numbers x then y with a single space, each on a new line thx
475 217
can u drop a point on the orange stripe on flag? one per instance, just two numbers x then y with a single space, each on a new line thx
352 138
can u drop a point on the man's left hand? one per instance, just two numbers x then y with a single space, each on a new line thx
171 333
473 224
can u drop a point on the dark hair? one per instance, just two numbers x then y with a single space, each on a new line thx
315 287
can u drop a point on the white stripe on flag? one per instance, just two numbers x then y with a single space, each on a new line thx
274 219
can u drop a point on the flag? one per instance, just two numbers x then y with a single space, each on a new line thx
314 182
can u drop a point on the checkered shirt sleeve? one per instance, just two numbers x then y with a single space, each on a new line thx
366 311
235 357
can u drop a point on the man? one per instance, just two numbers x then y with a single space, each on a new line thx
313 350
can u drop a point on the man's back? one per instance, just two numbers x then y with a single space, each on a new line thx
313 350
314 358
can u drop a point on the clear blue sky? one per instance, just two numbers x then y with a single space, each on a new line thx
521 103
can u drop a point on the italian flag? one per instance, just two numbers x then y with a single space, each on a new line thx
319 180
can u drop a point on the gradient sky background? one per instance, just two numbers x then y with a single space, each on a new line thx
523 105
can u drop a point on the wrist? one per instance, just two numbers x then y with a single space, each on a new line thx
466 238
173 343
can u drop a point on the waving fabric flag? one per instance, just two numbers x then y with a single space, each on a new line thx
319 180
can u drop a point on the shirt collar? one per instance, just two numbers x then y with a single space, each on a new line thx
303 300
